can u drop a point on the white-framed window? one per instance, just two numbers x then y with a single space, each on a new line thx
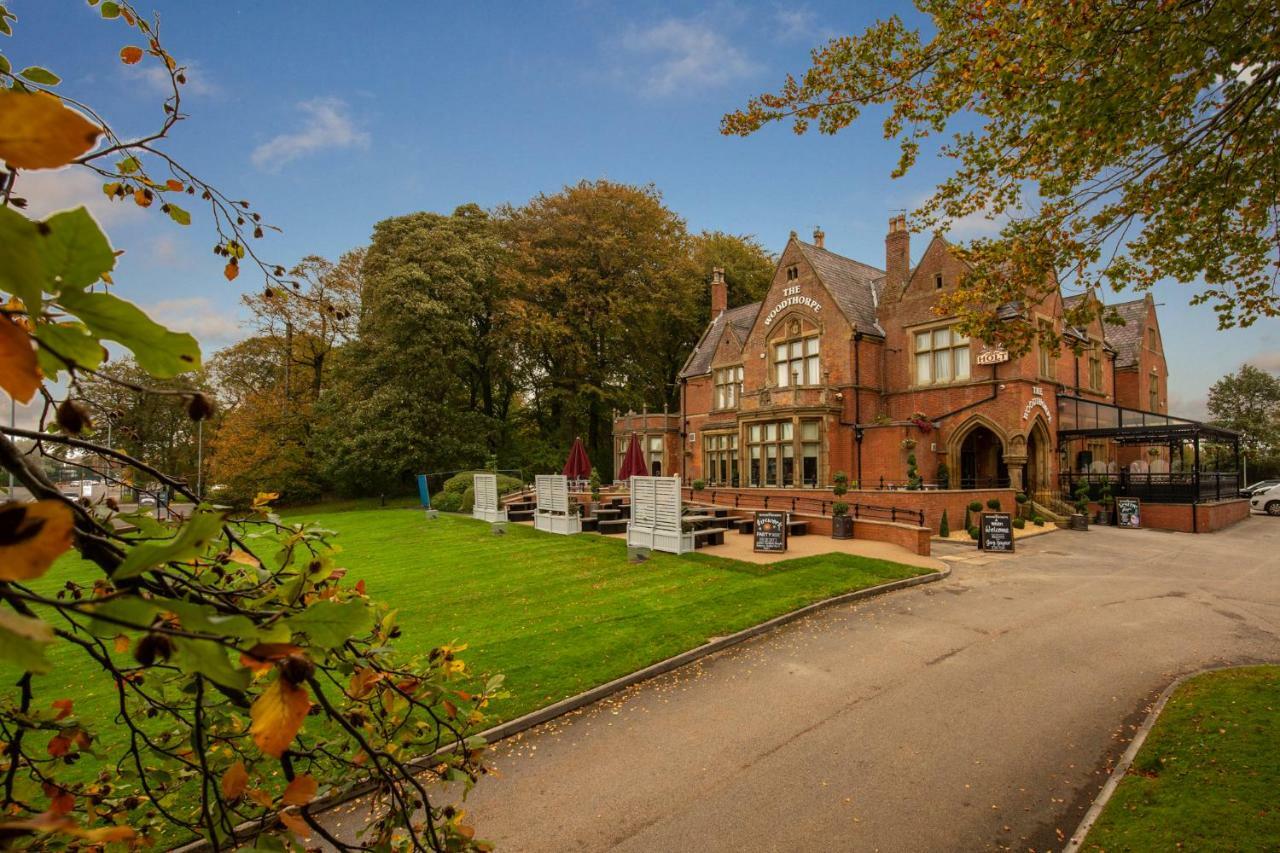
728 387
942 355
796 361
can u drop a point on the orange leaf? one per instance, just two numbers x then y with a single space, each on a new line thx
295 823
234 781
19 373
244 558
122 644
142 198
301 790
38 132
261 797
32 536
174 185
231 270
260 657
450 709
277 716
61 802
59 746
64 708
362 680
130 55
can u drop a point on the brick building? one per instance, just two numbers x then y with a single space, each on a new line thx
846 366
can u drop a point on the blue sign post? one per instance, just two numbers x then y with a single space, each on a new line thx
425 496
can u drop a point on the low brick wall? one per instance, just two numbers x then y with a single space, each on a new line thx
915 539
1209 517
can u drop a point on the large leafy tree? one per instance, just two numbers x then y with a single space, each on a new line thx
748 267
607 303
1119 143
1248 401
212 677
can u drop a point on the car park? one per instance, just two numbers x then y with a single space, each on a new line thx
1267 500
1260 486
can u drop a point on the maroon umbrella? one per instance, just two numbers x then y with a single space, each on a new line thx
577 466
633 464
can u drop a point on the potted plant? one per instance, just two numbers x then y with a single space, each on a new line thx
1105 502
993 504
594 483
944 476
841 523
913 474
1021 500
1080 520
921 422
908 444
699 485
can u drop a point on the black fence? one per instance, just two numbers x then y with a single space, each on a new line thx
1175 488
808 506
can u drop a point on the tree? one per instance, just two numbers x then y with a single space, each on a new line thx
1124 143
748 267
607 296
1248 401
235 673
245 368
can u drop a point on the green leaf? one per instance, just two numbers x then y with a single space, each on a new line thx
23 640
205 619
160 352
329 624
210 660
128 166
129 608
21 264
69 340
178 215
39 75
76 252
110 10
5 67
201 529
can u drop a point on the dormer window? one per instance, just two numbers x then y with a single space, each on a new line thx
937 281
793 272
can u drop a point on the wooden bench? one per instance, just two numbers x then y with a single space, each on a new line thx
612 525
589 522
708 536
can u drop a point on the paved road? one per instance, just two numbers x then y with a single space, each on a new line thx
981 712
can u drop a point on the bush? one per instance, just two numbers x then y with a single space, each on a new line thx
1019 522
841 483
968 517
973 533
839 508
1038 521
468 500
993 504
459 483
1020 497
944 529
975 506
699 485
446 502
594 482
944 476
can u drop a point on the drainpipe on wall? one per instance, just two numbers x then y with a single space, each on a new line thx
684 430
857 403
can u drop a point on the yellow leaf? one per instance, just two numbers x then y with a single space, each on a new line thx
277 716
130 55
32 535
19 373
234 781
244 557
264 498
301 790
38 132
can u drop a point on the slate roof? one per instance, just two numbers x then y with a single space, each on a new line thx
1126 340
741 318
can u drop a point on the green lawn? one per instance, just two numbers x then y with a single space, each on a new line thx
556 614
1208 776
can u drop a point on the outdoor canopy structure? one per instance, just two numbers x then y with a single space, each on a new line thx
633 464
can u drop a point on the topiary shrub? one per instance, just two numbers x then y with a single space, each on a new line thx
594 482
699 485
840 483
993 504
839 508
1019 522
1038 521
944 529
968 516
973 533
913 473
944 476
1021 499
447 502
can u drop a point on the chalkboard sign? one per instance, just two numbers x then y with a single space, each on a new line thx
996 531
771 532
1128 513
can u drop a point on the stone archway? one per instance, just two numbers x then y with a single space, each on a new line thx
1039 470
977 454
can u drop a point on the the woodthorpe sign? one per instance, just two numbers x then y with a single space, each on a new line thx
791 296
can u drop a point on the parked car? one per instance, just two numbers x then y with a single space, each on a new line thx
1267 500
1260 486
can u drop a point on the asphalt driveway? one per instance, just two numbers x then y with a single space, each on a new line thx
981 712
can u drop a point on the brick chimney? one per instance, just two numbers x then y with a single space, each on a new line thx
819 237
897 255
719 292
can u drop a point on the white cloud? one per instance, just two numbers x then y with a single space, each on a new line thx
47 191
213 326
327 126
1268 360
153 76
800 23
681 54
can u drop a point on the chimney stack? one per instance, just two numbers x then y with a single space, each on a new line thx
719 292
819 237
897 253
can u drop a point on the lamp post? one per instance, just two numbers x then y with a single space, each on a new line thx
200 459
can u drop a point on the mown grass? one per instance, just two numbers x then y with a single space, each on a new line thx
556 614
1208 776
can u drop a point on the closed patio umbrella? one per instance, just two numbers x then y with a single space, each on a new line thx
633 464
577 466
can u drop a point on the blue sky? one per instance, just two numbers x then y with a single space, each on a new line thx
332 116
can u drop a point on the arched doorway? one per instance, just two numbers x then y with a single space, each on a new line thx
1039 478
979 458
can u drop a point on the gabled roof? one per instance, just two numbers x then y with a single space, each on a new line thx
1126 340
852 284
741 319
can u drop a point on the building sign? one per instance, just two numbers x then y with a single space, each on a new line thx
997 355
1128 513
995 531
1037 403
791 296
770 532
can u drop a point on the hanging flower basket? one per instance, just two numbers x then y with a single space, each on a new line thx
923 424
908 444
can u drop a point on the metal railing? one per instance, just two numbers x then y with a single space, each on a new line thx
1185 487
807 506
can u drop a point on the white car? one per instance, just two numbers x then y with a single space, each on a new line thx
1268 500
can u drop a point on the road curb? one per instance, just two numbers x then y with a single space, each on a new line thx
1076 842
604 691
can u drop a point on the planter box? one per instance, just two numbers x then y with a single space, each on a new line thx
1079 521
841 527
554 523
